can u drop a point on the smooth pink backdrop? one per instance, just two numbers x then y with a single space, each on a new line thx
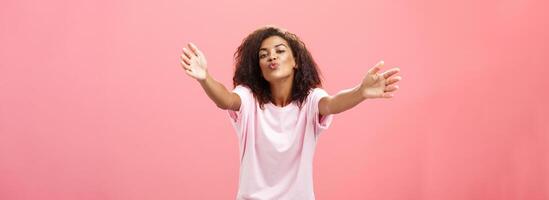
94 105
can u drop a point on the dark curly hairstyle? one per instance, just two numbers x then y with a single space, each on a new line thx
248 72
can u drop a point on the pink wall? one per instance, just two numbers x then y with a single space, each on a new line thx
94 105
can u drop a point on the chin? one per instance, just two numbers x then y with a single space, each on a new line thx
277 77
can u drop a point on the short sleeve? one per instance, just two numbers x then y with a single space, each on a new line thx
320 124
238 118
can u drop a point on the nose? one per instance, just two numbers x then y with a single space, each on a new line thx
272 57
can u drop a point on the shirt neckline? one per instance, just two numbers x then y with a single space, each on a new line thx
278 108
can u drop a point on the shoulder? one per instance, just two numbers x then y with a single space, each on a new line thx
245 94
315 95
317 92
242 88
243 91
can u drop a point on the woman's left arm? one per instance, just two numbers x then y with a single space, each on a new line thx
374 85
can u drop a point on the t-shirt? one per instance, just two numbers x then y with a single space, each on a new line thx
277 146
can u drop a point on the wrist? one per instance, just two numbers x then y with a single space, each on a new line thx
205 79
360 92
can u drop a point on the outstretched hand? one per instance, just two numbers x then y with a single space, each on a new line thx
194 62
380 85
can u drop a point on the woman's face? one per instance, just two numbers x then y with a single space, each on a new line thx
276 59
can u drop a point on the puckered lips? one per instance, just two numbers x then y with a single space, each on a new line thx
273 65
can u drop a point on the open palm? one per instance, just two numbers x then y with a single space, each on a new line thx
194 62
380 85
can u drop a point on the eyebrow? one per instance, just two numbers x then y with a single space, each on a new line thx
281 44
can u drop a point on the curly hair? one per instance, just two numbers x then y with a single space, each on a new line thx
248 73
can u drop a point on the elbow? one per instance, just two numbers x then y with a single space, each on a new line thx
222 106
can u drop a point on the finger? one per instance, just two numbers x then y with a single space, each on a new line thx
187 53
387 95
190 73
393 80
391 88
376 68
186 60
199 53
194 49
185 65
390 72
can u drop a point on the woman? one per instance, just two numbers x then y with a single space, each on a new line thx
278 109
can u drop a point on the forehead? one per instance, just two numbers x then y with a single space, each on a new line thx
272 41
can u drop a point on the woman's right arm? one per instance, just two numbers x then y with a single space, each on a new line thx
194 63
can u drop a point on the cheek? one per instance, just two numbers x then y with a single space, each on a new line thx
262 65
289 59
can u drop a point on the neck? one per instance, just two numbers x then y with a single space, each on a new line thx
281 92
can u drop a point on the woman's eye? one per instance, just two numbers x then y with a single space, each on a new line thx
262 56
280 51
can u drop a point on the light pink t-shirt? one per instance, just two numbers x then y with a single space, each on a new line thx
277 146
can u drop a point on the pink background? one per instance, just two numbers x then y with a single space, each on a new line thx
94 104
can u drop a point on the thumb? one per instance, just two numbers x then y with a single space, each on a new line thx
376 68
